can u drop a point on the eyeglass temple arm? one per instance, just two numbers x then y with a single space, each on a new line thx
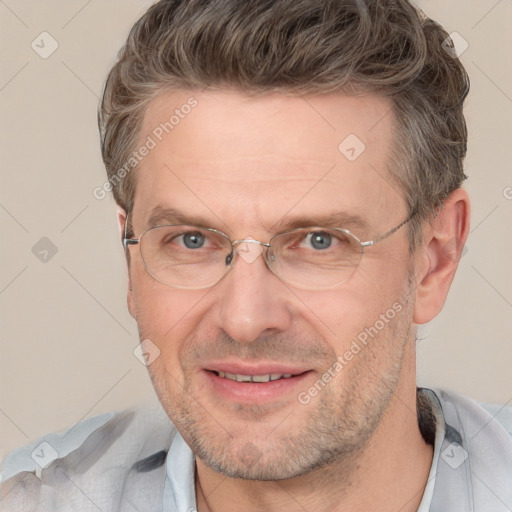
130 241
390 232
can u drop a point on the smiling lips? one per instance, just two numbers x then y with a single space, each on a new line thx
252 371
254 378
249 382
243 383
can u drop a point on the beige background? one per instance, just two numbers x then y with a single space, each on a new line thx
67 339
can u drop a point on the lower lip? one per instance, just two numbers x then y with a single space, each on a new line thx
251 392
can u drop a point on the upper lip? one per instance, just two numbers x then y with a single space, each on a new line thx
255 368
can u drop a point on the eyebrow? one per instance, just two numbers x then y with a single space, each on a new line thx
333 220
163 215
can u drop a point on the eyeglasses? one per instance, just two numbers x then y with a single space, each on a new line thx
192 257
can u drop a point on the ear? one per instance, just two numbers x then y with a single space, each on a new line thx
121 218
443 244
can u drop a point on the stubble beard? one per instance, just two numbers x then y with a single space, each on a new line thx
332 429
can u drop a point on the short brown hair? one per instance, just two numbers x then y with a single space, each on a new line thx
387 47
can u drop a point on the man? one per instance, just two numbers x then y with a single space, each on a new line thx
288 176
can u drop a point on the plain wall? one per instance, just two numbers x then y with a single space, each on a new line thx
67 339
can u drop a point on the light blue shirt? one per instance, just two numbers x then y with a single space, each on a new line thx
137 461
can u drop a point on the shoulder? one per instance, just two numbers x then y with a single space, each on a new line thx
98 453
472 464
468 410
501 413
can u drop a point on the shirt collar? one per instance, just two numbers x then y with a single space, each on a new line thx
472 462
179 490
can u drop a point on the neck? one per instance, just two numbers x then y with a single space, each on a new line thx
390 474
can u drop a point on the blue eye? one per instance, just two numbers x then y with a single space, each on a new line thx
320 240
194 240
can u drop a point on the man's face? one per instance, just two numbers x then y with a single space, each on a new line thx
247 167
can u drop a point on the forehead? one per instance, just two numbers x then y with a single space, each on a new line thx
242 160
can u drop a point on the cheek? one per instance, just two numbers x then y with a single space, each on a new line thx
165 315
371 299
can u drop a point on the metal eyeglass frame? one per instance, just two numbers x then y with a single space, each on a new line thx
233 243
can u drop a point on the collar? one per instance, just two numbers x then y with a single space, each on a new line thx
179 490
471 467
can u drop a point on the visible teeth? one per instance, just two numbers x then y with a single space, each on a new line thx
260 378
254 378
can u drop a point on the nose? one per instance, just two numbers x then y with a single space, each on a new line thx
252 301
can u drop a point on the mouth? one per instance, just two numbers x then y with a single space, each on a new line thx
238 377
249 384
